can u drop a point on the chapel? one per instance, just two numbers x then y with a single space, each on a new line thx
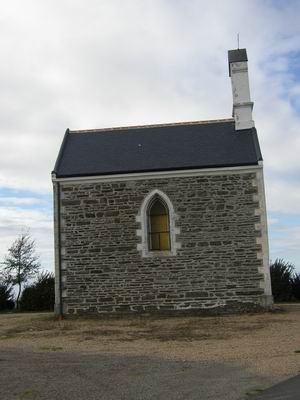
163 218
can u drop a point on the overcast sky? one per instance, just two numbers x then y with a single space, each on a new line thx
101 63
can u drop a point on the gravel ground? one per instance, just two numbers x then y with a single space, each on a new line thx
264 348
74 376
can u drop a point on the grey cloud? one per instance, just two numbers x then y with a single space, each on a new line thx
78 65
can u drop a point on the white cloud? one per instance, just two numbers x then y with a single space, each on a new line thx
14 220
289 238
78 65
273 221
283 196
286 243
118 63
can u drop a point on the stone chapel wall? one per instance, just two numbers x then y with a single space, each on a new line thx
216 268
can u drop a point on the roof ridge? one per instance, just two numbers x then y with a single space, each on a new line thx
210 121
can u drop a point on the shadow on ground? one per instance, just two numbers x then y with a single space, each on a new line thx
287 390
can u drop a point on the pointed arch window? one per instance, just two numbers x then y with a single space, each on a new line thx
158 225
157 233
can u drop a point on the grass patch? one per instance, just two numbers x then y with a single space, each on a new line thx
190 329
254 392
51 348
29 394
101 332
39 325
6 337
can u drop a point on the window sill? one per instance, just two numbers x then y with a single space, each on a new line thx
159 253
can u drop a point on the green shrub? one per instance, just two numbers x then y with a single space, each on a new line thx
39 296
296 286
282 280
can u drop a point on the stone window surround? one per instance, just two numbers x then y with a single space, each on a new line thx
142 219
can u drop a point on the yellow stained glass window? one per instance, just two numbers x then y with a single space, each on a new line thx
159 232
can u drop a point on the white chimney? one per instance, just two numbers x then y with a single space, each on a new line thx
242 104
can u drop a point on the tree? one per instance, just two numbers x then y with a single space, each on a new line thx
6 296
21 263
39 295
282 280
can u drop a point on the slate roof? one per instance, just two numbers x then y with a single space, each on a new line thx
165 147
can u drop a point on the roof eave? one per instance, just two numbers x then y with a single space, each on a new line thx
158 170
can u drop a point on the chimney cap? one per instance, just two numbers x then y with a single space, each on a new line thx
238 55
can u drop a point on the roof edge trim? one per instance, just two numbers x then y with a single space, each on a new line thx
256 145
210 121
61 150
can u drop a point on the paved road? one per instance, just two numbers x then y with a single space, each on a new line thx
287 390
64 376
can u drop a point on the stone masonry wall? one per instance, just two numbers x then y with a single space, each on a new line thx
217 265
